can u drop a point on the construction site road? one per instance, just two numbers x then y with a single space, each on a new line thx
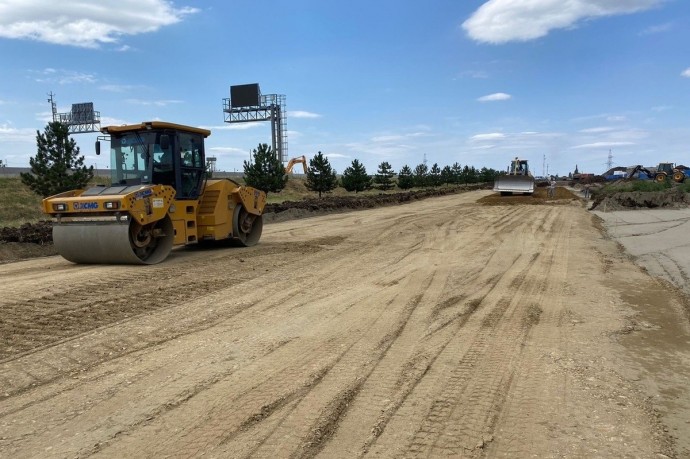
442 327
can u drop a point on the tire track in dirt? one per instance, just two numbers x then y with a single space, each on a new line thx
279 375
530 376
186 398
450 344
292 376
389 333
57 316
478 383
326 417
410 358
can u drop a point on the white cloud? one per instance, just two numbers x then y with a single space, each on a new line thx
13 134
118 87
387 138
502 21
158 103
660 28
230 150
62 76
487 137
479 74
85 24
603 145
686 73
596 130
495 97
302 114
336 155
617 118
232 127
108 121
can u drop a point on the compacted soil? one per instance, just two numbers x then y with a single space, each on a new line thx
442 327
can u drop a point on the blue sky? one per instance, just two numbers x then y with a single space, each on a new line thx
559 82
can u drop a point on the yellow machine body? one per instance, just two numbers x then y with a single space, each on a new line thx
138 220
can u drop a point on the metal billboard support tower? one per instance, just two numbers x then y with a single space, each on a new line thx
246 104
82 118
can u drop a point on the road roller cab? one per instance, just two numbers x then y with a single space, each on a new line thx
159 197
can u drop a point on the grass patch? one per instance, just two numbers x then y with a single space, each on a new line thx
636 185
18 204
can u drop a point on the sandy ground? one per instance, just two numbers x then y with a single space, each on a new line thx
437 328
658 239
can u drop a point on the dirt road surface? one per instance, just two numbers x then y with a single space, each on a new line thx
659 239
437 328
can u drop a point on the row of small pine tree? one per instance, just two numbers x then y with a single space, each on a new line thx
266 172
59 167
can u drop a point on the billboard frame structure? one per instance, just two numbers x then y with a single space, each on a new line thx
81 119
271 107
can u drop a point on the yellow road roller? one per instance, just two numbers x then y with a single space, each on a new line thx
159 197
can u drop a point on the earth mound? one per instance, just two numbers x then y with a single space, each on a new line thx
670 198
36 239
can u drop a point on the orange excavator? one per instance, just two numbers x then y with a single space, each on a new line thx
298 160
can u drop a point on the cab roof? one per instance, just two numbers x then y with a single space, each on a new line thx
148 125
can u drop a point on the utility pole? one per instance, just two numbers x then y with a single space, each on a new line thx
609 161
53 105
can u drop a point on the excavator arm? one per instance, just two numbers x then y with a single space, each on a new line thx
298 160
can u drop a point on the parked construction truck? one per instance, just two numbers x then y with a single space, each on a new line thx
676 172
159 197
518 179
663 172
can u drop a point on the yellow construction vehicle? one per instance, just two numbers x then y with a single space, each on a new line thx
298 160
518 179
665 170
158 197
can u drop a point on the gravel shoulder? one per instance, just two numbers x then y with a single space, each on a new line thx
439 328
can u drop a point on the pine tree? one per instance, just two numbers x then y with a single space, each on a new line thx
446 175
266 172
421 175
320 176
405 178
57 166
384 176
469 174
434 178
355 177
488 174
457 172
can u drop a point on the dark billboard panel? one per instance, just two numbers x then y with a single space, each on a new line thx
245 95
82 113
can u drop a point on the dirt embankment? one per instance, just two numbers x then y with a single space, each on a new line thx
40 234
437 329
666 199
35 239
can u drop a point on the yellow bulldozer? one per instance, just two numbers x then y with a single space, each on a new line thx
517 180
159 197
